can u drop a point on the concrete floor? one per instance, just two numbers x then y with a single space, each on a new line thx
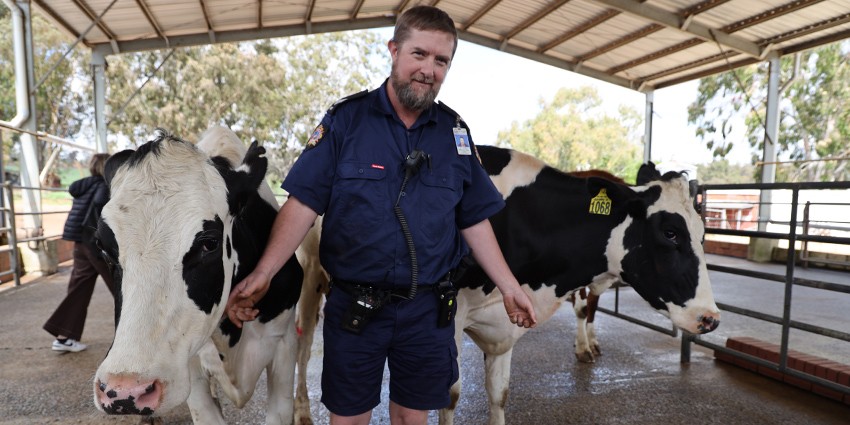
638 380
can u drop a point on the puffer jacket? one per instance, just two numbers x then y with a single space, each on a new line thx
85 191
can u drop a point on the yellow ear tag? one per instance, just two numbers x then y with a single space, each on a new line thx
601 203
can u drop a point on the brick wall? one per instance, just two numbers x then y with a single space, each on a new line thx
807 363
728 249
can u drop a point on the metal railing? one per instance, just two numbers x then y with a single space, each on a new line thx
788 279
798 230
9 228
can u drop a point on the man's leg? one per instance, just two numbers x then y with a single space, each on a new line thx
400 415
361 419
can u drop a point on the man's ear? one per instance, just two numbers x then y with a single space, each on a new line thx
392 46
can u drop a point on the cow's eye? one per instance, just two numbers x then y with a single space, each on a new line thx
670 235
210 244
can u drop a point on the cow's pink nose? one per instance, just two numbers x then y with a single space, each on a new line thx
128 395
708 322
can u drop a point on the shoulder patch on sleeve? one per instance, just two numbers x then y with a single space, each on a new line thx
333 107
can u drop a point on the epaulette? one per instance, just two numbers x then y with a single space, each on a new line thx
458 119
346 99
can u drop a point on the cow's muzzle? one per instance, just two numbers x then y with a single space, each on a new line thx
128 395
708 323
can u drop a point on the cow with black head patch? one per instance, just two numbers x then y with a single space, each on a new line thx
182 226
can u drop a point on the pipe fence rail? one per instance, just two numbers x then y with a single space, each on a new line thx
9 229
794 224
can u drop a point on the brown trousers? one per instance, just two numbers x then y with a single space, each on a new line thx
70 317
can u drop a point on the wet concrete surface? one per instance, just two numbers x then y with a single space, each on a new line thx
638 380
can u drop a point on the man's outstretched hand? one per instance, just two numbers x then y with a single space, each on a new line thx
519 308
240 305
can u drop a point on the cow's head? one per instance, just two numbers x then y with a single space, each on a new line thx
167 234
661 254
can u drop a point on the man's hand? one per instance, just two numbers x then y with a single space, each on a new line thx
240 304
519 308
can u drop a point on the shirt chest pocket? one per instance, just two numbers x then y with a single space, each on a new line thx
442 192
361 185
360 192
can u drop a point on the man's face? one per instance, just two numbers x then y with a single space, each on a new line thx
419 67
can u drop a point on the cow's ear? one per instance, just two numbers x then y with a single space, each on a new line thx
114 163
647 173
244 181
638 206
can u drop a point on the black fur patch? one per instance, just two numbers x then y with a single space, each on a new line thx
203 269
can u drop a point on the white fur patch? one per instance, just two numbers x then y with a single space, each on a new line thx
521 171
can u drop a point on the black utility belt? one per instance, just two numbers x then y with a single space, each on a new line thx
367 300
386 295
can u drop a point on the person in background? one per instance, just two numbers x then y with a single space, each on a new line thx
402 205
67 322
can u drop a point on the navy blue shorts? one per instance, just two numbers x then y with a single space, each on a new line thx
422 358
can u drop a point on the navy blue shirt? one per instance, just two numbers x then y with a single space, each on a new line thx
352 171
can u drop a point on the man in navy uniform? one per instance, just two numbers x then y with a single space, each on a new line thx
402 205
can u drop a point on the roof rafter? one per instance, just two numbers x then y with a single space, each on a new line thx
479 14
151 20
596 20
542 13
677 22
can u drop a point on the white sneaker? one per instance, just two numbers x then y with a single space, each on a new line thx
71 345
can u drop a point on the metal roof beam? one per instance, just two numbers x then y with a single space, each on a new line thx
549 60
542 13
596 20
677 22
149 16
94 17
55 16
356 10
479 14
210 31
245 35
637 35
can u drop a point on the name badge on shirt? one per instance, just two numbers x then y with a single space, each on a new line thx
462 141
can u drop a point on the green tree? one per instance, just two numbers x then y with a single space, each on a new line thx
274 91
573 133
814 112
722 172
59 103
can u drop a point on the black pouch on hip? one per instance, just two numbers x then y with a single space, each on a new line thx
365 303
447 298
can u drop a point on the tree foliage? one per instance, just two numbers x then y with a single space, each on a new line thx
573 133
723 172
274 91
60 105
814 112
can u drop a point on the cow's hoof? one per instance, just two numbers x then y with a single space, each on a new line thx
303 421
596 350
585 357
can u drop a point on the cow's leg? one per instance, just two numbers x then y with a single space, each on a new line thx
583 349
592 304
447 415
314 288
308 311
497 372
203 405
280 376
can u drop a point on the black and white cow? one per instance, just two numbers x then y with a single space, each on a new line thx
183 224
559 233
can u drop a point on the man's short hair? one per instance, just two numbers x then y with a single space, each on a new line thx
424 18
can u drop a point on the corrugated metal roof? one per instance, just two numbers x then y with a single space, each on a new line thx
636 44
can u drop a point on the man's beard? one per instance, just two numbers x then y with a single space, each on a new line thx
408 97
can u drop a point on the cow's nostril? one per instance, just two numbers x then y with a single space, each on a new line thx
708 324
